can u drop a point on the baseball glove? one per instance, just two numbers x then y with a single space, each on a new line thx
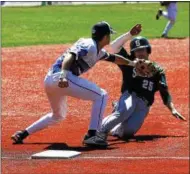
145 68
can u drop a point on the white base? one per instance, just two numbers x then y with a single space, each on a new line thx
55 154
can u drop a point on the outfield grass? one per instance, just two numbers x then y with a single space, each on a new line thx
65 24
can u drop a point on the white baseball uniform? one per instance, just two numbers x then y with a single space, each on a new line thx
87 54
170 14
171 11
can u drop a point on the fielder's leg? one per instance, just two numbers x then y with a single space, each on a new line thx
83 89
78 88
86 90
58 104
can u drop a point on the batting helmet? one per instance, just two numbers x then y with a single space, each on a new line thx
138 43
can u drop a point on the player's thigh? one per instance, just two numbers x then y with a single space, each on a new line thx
134 122
56 96
84 89
126 104
172 13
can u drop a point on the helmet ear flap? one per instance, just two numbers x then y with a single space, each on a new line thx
149 50
132 55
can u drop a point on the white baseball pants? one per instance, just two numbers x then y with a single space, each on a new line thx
79 88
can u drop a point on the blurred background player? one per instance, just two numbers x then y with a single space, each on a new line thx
63 80
170 14
137 93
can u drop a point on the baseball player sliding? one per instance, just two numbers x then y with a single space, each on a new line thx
137 93
63 79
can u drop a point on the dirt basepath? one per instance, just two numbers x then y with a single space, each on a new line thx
24 101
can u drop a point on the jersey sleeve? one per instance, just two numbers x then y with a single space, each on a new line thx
111 57
123 53
80 49
163 88
104 55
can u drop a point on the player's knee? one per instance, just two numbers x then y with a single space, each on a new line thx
104 94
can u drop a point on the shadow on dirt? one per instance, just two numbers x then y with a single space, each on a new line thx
64 146
112 141
144 138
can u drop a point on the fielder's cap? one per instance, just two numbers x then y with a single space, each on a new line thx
101 29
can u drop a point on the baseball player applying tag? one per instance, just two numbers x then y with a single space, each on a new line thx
63 79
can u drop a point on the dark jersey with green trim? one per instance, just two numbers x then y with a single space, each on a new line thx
144 88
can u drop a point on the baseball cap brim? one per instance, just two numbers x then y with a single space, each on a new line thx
112 31
141 47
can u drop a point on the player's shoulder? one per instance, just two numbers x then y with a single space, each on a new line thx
87 44
159 69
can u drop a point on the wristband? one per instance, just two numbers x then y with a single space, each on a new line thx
63 74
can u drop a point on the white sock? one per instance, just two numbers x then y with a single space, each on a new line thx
165 14
169 25
42 123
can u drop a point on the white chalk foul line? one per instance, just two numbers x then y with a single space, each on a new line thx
135 158
112 157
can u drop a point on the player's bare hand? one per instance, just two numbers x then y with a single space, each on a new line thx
63 83
136 29
176 114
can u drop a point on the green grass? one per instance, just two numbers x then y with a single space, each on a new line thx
65 24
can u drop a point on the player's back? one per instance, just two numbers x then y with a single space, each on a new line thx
86 55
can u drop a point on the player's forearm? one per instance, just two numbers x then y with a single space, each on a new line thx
119 60
170 106
68 59
66 64
120 41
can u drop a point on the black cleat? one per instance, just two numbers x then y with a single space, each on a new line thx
164 36
159 13
19 136
90 134
99 140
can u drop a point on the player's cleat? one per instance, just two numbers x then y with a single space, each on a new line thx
99 140
19 136
90 134
159 13
164 35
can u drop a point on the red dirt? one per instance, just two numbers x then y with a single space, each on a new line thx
24 101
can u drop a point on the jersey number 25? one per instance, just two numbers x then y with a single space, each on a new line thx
147 85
